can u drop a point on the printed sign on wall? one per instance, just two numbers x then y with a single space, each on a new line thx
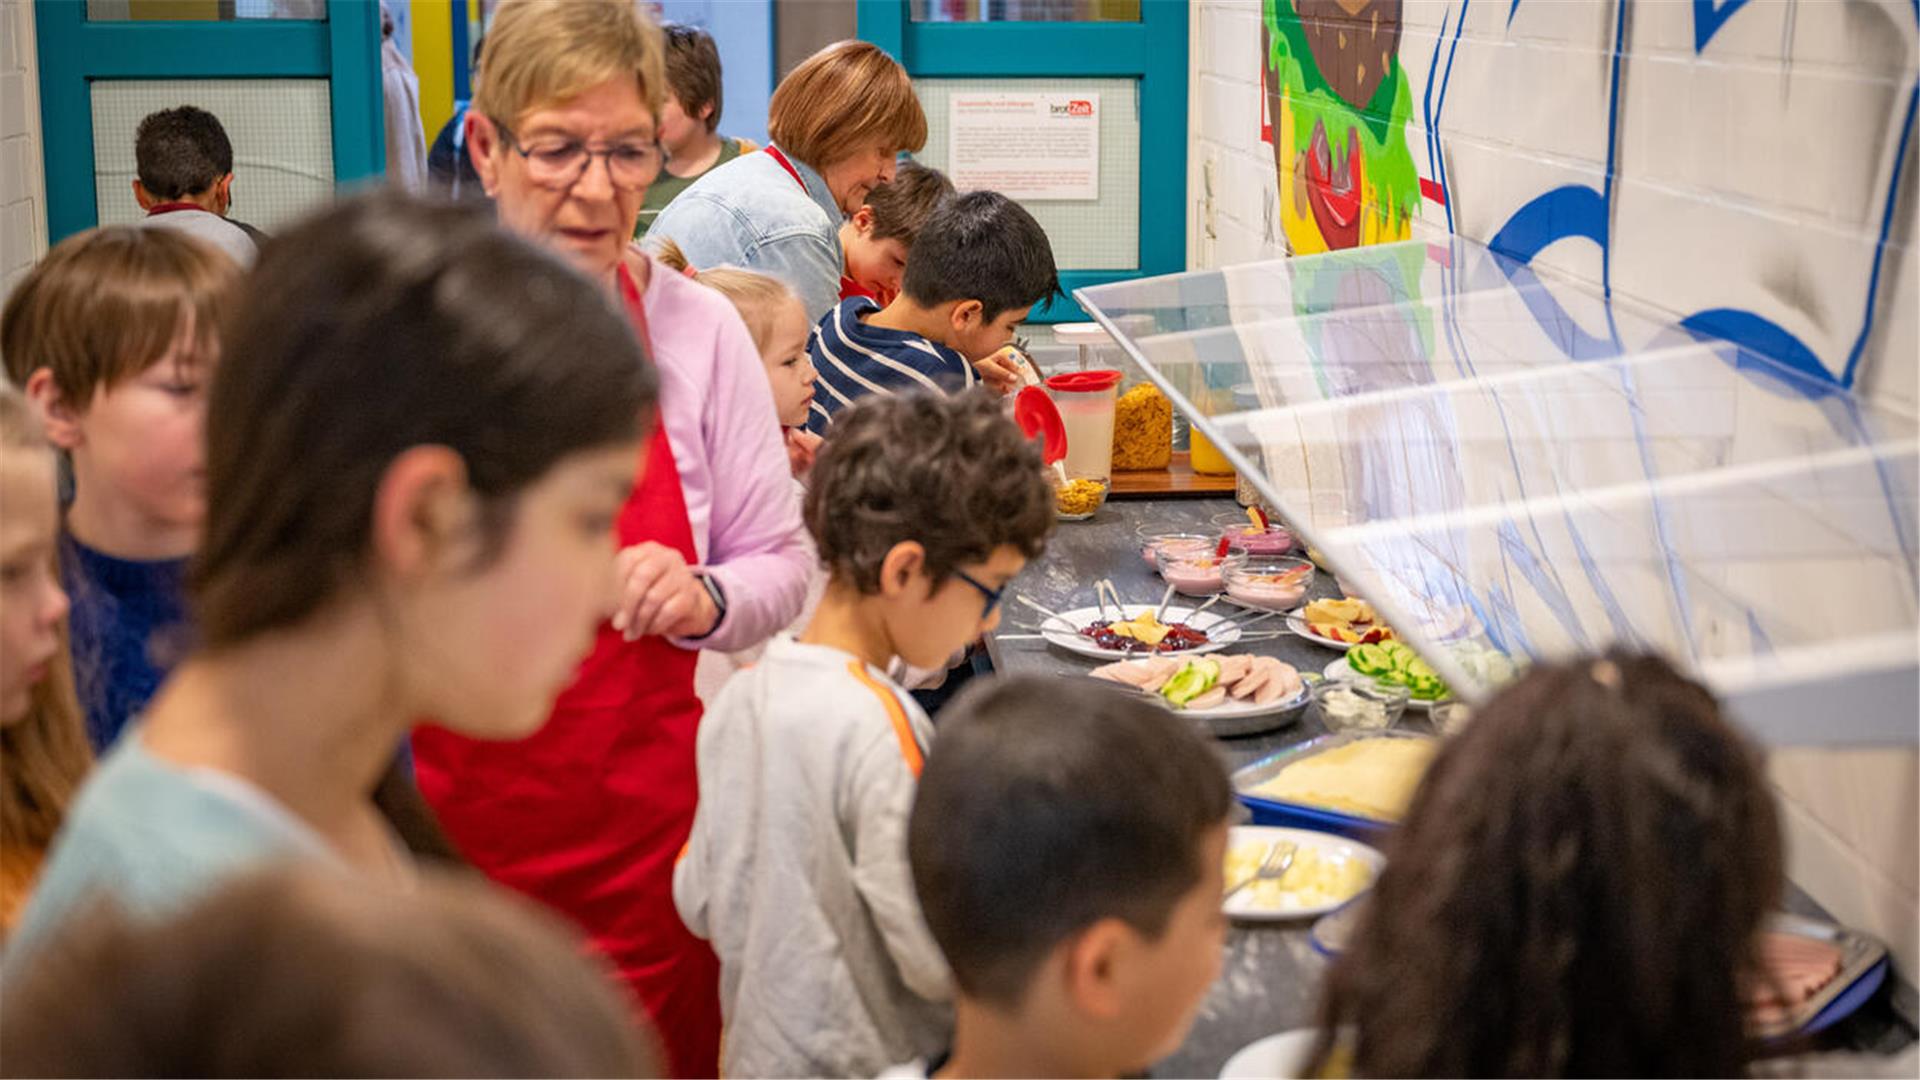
1026 146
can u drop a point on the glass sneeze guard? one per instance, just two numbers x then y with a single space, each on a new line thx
1514 468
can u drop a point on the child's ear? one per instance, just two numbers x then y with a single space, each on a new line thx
423 513
863 220
966 314
1094 981
144 197
903 563
58 418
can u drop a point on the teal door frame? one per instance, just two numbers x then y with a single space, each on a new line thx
1153 50
75 52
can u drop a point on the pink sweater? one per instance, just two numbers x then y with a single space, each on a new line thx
720 420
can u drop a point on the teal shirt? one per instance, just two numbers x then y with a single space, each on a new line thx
153 837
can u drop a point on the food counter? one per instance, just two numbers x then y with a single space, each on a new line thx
1271 973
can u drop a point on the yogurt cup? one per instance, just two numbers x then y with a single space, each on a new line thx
1273 583
1196 572
1150 536
1180 544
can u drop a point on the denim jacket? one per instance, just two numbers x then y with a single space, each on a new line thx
749 213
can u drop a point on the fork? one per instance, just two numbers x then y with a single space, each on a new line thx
1273 866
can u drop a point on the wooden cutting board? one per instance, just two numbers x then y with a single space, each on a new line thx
1177 480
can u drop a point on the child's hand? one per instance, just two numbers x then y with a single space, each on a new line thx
1001 371
802 447
659 594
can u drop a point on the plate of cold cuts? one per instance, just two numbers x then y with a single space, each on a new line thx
1222 689
1093 631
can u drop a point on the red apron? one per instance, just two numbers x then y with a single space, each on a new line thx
588 815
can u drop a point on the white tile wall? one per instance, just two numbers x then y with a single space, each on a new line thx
23 214
1752 176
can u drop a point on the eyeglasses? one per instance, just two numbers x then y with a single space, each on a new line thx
993 595
560 163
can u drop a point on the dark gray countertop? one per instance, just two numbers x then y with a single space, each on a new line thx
1270 978
1270 975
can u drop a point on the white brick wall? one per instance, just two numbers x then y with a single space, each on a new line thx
23 210
1753 175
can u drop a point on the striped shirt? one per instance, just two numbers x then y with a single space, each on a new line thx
854 358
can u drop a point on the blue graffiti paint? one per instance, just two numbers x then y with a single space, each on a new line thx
1759 336
1426 101
1880 249
1709 16
1570 211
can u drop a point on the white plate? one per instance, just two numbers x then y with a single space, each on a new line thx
1297 623
1241 906
1247 710
1276 1057
1056 631
1340 670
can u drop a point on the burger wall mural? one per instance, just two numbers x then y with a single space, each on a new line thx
1339 103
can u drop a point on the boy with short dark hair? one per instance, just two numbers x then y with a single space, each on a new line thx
184 165
878 237
924 508
979 266
1067 844
689 121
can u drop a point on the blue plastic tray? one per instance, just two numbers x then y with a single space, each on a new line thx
1300 815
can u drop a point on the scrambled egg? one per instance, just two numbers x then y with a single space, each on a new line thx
1316 877
1372 778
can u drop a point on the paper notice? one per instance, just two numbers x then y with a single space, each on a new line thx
1026 145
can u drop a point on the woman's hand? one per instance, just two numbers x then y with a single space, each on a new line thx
659 594
802 447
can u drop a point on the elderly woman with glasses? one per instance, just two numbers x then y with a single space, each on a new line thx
837 122
588 814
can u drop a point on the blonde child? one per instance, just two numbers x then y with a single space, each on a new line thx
43 742
113 336
924 508
779 327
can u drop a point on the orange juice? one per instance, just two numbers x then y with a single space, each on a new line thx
1206 457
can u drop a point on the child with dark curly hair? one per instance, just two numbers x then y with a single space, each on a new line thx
1576 891
924 507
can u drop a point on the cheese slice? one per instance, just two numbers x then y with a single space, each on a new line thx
1145 629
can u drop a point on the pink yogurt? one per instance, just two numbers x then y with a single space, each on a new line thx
1276 540
1200 576
1271 591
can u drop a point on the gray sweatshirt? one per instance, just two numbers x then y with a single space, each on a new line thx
208 228
797 871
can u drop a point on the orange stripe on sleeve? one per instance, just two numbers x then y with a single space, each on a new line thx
902 729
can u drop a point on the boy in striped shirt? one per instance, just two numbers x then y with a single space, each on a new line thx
924 508
977 269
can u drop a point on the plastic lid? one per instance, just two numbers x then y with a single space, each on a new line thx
1034 411
1081 333
1084 382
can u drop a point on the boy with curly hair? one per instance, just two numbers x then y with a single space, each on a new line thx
924 508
